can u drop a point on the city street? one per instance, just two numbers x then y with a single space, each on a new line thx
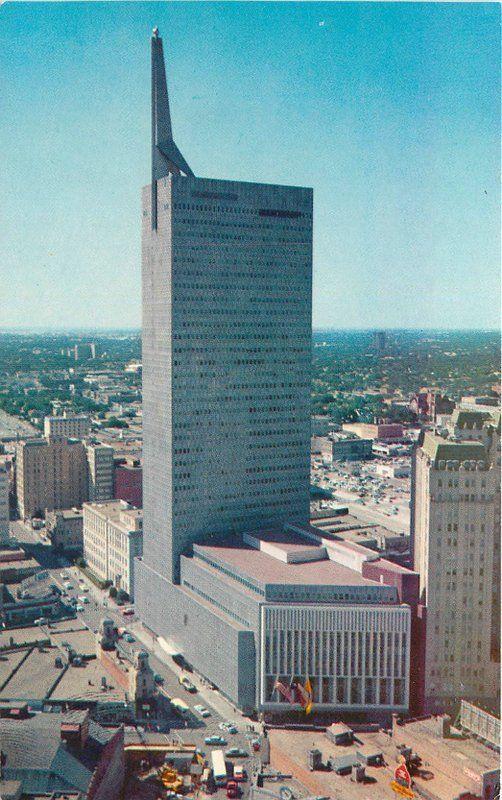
193 730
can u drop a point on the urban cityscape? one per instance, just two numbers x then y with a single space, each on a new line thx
243 555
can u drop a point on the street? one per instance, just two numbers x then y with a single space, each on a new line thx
193 730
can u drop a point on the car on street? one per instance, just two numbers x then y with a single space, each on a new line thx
127 612
236 752
202 710
67 585
229 727
128 637
187 685
215 740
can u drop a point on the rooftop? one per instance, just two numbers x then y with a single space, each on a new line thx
36 755
439 449
265 569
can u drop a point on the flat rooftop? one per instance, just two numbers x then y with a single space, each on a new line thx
449 767
35 676
265 569
84 683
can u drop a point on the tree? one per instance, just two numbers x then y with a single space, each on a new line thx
80 562
122 596
113 592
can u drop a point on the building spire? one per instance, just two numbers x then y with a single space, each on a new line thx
166 158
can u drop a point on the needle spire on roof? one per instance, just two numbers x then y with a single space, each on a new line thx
166 158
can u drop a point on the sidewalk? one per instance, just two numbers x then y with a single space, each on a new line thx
211 697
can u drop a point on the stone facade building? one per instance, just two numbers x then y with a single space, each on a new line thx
113 537
50 475
455 537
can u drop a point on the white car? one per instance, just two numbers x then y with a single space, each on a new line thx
83 599
203 711
78 607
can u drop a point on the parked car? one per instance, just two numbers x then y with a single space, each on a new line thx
128 612
203 711
41 621
256 745
239 773
78 607
128 637
229 727
236 752
215 740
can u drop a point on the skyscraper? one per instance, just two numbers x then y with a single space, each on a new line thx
456 530
227 269
232 574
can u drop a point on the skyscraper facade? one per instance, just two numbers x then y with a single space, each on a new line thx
456 532
231 573
227 269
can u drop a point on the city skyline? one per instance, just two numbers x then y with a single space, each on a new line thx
419 133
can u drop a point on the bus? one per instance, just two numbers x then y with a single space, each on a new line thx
219 767
180 708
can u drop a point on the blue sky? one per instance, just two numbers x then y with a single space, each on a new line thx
390 111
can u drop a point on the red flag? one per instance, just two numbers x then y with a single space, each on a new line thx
286 691
402 775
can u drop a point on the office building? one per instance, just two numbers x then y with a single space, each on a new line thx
100 467
67 426
4 502
113 538
227 269
50 475
226 351
455 538
298 601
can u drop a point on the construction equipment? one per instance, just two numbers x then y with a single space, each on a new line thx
170 779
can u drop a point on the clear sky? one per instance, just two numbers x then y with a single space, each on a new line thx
390 111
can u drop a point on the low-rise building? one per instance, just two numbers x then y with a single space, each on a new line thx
65 529
393 470
383 431
296 601
33 598
63 755
113 537
341 447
